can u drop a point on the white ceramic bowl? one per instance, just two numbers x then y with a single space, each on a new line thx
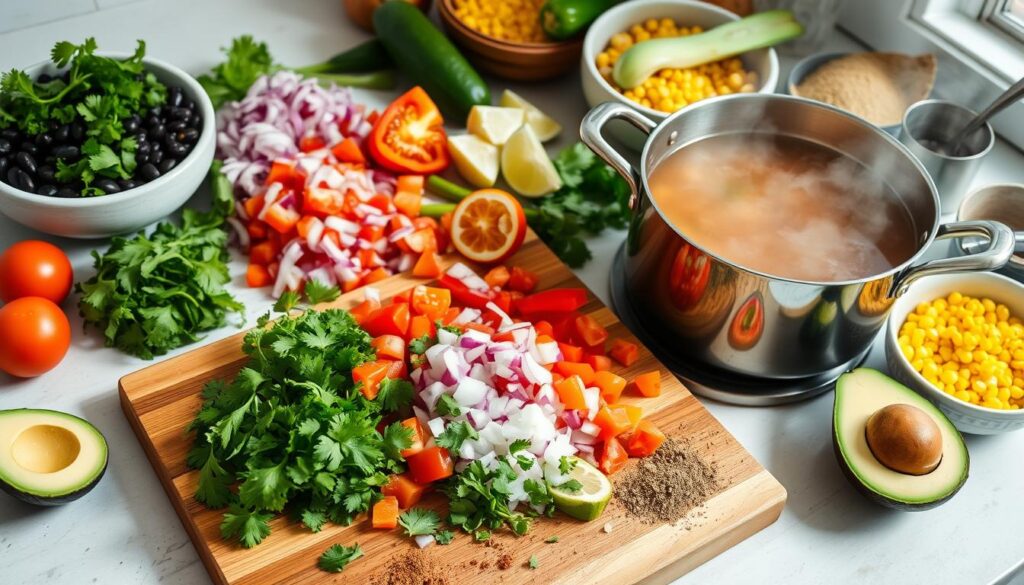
967 417
128 211
596 90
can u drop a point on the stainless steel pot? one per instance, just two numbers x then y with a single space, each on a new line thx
785 328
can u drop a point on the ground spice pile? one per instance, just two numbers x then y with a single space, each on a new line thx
666 485
414 568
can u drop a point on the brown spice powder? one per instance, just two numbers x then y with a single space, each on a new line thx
505 562
414 568
667 485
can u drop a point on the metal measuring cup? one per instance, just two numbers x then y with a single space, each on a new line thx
928 128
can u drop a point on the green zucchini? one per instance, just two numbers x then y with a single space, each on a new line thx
429 58
563 19
364 58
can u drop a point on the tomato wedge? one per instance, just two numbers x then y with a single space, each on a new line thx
488 226
409 136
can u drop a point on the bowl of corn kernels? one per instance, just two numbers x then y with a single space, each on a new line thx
506 38
669 89
958 340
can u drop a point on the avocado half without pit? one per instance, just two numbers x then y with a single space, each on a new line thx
48 458
894 445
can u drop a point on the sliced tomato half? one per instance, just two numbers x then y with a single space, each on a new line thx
409 137
488 226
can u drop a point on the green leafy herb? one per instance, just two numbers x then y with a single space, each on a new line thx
318 292
567 464
421 344
482 535
394 394
100 92
292 430
152 294
444 537
337 557
534 563
447 406
419 521
551 539
573 485
519 445
478 498
288 300
455 434
538 492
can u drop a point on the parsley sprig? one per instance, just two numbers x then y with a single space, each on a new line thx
337 557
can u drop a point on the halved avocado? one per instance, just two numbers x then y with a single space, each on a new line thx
48 458
863 392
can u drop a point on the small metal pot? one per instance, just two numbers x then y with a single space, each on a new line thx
738 320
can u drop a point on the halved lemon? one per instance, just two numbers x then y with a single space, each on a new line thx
526 166
543 125
488 226
495 124
590 500
475 159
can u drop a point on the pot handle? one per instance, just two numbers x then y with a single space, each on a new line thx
590 132
994 255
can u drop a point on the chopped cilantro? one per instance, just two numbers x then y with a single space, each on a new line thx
534 563
455 434
337 557
419 521
444 537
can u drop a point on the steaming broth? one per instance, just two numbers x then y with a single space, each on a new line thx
784 206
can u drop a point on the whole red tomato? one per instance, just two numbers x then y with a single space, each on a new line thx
34 336
34 269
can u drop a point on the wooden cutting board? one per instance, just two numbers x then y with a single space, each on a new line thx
162 399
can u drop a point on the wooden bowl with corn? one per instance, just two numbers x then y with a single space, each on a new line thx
505 38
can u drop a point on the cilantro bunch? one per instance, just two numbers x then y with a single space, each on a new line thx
101 92
293 430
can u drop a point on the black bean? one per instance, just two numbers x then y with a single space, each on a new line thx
180 114
190 105
177 150
167 164
29 147
156 157
47 190
174 96
108 186
54 124
156 132
176 126
46 173
65 151
45 139
77 132
126 184
60 135
6 147
130 125
156 111
9 133
141 158
140 138
49 159
21 180
67 192
5 163
195 122
44 78
149 171
26 161
188 135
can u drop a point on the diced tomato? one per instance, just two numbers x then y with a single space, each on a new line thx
257 230
613 421
253 206
369 258
591 332
522 280
306 224
428 265
624 352
408 203
611 385
348 151
257 276
429 465
464 295
322 201
648 384
371 233
407 491
263 253
370 375
430 301
311 142
385 513
544 328
287 173
497 276
381 202
570 353
611 456
419 436
556 300
281 218
390 320
376 275
570 392
644 440
363 310
420 240
584 371
600 363
389 347
403 297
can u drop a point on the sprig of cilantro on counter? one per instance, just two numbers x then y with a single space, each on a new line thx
293 430
337 557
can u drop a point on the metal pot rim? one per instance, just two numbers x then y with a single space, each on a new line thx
669 122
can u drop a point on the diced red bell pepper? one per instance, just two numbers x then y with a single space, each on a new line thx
590 331
556 300
389 347
429 465
371 233
611 456
522 280
280 218
370 375
390 320
624 352
407 491
363 310
348 151
497 276
544 328
286 173
253 206
311 142
464 295
644 440
322 201
263 253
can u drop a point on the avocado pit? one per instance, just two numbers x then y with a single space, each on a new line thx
905 439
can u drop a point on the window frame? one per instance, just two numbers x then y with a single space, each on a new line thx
996 13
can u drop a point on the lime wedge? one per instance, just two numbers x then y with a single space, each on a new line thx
543 125
588 503
475 159
495 124
526 166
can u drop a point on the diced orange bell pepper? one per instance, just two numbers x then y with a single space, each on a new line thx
348 151
370 375
419 241
522 280
322 201
281 218
389 347
600 363
385 513
407 491
253 206
497 276
419 436
611 385
480 327
390 320
363 310
408 203
545 328
450 316
257 276
644 440
570 392
419 326
410 183
590 331
431 301
428 265
648 384
570 353
305 225
635 413
311 142
613 421
584 371
624 352
376 275
429 465
611 456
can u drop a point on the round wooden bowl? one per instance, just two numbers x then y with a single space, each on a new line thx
518 61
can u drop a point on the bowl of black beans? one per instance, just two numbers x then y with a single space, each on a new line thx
91 149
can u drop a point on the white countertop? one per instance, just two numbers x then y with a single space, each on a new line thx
125 530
